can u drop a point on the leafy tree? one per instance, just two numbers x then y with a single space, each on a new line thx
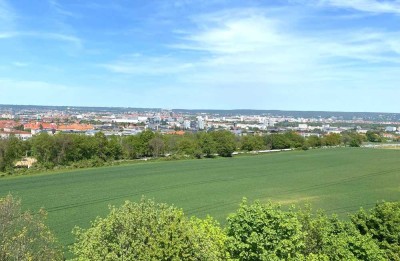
189 146
296 140
207 145
24 235
157 146
114 148
373 136
225 142
264 232
277 141
149 231
353 139
314 141
63 143
328 238
11 149
333 139
101 145
131 147
250 143
143 145
44 149
171 143
383 224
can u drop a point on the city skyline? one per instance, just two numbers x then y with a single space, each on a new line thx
331 55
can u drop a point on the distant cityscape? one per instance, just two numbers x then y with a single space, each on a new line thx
24 121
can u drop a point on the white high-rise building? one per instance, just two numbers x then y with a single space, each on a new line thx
200 123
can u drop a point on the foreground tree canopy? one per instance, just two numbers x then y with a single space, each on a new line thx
23 235
150 231
153 231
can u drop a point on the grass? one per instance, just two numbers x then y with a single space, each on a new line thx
337 180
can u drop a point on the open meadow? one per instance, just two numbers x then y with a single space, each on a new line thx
337 180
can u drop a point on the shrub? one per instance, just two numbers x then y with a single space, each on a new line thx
149 231
23 235
382 223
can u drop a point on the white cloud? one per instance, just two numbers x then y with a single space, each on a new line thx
22 86
254 47
76 41
145 65
57 7
370 6
252 55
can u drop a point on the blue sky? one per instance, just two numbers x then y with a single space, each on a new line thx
336 55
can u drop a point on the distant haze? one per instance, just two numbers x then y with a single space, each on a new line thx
371 116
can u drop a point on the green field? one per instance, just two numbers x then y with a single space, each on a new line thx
337 180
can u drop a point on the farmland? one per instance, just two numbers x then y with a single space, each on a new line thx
337 180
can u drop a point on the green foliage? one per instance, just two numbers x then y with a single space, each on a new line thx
11 149
189 147
331 239
144 149
149 231
157 146
207 144
373 136
203 186
277 141
353 139
295 140
332 139
130 147
225 142
383 224
264 232
54 151
314 141
251 143
23 235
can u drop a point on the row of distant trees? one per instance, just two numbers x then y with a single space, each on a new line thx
153 231
84 151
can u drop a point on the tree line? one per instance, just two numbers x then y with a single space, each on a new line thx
147 230
86 151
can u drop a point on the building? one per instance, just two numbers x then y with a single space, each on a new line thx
390 129
186 124
23 135
200 123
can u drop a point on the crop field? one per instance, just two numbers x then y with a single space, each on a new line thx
337 180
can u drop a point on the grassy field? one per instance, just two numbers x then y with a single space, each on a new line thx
337 180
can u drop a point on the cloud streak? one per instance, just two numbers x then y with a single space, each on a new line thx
370 6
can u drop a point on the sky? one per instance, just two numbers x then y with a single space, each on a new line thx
319 55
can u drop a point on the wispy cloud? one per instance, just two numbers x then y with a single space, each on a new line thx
21 86
252 47
57 7
146 65
371 6
77 42
6 35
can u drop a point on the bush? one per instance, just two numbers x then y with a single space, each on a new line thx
328 238
149 231
382 223
23 235
264 232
